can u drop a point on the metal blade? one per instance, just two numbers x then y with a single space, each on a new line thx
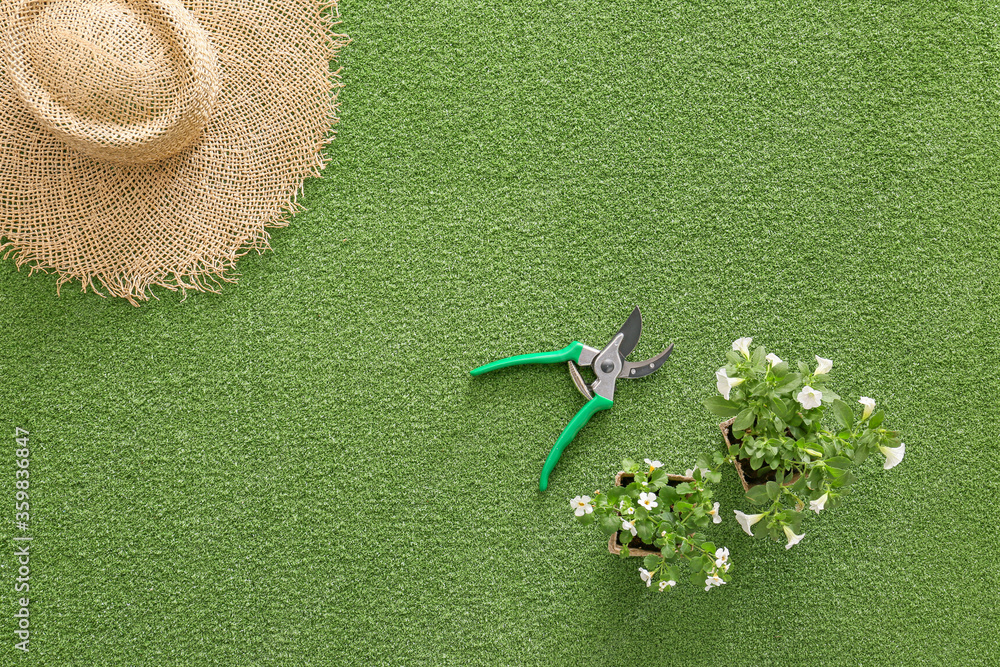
632 370
578 380
631 331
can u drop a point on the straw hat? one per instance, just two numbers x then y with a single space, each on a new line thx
151 142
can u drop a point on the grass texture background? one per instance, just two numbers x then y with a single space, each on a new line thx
299 470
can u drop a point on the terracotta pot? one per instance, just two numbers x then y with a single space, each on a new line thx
637 547
748 476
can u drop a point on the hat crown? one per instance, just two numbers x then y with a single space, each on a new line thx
121 80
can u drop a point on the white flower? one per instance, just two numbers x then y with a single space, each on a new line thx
714 513
773 359
653 465
630 510
647 500
663 534
869 404
722 557
809 398
724 383
629 526
690 472
893 455
818 504
714 580
793 539
823 366
645 576
664 584
747 520
581 505
742 345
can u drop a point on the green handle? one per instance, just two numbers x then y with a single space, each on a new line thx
582 417
570 352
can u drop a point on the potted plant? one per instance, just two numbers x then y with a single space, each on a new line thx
787 458
660 517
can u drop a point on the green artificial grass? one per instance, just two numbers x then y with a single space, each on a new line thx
300 470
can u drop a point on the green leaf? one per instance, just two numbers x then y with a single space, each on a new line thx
816 477
758 356
610 525
721 407
709 547
780 408
757 494
841 462
667 496
876 420
772 490
788 382
781 370
644 529
697 563
791 518
651 562
683 488
744 420
842 411
845 480
615 494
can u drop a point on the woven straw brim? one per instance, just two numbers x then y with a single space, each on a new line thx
182 222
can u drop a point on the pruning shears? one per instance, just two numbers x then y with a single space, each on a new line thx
608 365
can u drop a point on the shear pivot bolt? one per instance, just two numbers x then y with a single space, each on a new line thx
607 366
